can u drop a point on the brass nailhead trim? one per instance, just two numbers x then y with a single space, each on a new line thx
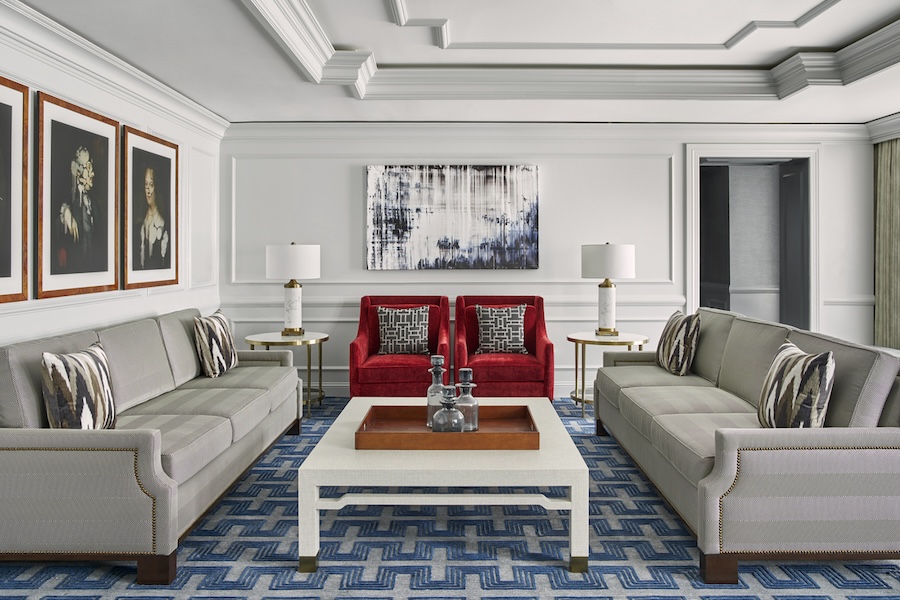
775 449
137 478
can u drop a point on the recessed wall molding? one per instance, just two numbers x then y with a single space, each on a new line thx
850 301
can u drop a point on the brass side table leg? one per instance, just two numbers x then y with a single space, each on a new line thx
321 392
308 379
583 370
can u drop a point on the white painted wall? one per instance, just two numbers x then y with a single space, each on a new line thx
37 53
598 183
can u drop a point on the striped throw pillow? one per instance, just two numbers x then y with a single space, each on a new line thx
797 388
678 343
77 390
215 344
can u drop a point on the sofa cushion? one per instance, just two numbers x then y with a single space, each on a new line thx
21 399
688 442
748 354
398 368
863 378
678 343
138 362
177 329
403 330
611 380
77 389
714 328
506 367
640 405
797 388
189 442
245 408
280 382
215 344
501 329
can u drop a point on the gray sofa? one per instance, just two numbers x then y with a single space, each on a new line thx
180 441
753 493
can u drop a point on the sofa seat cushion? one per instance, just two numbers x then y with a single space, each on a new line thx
640 405
506 367
688 441
245 408
281 382
611 380
189 442
395 368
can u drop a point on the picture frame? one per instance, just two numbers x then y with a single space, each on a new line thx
13 191
151 210
77 200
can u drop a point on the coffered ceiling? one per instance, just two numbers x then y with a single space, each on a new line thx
799 61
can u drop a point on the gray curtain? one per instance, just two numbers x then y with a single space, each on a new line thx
887 244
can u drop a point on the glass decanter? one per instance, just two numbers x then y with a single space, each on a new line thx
435 390
448 419
466 402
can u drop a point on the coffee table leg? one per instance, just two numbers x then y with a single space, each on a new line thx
579 528
307 524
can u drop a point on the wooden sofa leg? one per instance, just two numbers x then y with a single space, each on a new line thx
158 569
718 568
295 429
599 428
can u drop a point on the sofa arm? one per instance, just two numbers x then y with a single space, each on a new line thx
85 492
618 358
833 489
265 358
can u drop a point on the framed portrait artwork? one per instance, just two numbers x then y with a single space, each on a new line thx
77 200
13 191
151 210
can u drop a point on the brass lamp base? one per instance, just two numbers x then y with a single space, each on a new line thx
292 331
606 331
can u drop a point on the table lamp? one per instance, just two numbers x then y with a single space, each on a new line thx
293 262
607 261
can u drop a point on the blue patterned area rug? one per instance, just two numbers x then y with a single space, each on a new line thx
247 546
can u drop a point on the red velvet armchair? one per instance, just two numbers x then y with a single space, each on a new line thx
373 374
498 374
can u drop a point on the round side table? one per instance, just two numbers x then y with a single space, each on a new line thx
308 339
582 340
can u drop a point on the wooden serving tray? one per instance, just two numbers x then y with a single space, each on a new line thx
403 428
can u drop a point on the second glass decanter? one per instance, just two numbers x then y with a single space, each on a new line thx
435 390
448 419
466 402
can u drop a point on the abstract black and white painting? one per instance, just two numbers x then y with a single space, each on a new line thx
452 217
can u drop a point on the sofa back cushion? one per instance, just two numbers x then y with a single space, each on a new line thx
21 399
890 414
177 329
138 363
714 328
862 379
747 356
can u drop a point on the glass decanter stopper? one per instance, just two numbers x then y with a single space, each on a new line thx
466 402
435 393
448 419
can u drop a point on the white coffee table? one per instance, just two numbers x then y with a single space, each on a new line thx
334 462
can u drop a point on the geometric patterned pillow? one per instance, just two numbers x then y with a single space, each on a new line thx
403 330
77 390
797 388
215 344
501 330
678 343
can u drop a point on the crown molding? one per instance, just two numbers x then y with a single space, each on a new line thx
873 53
352 68
805 69
140 90
885 128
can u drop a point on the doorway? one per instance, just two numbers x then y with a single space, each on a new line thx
754 237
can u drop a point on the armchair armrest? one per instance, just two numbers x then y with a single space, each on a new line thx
265 358
359 352
834 489
107 487
618 358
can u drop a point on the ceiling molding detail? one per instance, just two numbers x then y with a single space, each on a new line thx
805 69
400 16
885 128
871 54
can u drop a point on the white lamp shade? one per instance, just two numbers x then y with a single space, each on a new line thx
607 261
293 261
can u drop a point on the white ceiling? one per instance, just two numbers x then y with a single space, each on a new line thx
797 61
